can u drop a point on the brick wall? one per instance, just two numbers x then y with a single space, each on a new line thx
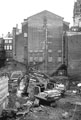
36 36
20 47
74 55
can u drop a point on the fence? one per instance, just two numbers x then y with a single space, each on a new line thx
3 91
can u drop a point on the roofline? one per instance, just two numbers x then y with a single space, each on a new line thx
66 22
47 11
25 20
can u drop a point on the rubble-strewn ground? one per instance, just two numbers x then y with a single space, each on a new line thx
65 108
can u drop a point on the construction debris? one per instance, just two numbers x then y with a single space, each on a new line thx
65 115
39 96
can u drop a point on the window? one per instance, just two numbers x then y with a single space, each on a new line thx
36 58
49 59
31 59
7 54
43 45
40 50
6 41
30 51
59 59
10 54
59 51
10 41
7 47
25 35
40 59
0 41
35 50
10 47
50 50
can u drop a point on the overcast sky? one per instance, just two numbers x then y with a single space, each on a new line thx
13 12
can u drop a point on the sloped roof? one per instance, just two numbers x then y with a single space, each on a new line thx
42 15
47 14
66 23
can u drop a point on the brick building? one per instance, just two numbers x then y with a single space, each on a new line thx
40 40
74 54
2 52
77 13
1 44
8 47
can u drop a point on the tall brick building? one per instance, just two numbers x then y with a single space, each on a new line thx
77 13
8 42
40 40
2 52
74 54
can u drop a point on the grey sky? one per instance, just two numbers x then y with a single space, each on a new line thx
13 12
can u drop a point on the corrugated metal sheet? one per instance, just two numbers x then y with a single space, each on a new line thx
3 92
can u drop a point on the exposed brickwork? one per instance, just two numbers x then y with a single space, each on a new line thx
36 36
74 55
20 47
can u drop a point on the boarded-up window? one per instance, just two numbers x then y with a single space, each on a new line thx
31 59
59 59
30 51
40 59
36 58
50 50
59 51
40 50
50 59
35 50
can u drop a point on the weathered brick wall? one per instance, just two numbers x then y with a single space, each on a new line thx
65 26
74 55
20 42
56 45
36 35
34 27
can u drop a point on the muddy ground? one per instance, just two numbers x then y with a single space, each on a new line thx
65 109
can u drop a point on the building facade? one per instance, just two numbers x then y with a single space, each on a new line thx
8 47
1 44
74 54
41 41
2 53
77 13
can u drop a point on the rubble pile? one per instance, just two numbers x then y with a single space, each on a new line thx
33 96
